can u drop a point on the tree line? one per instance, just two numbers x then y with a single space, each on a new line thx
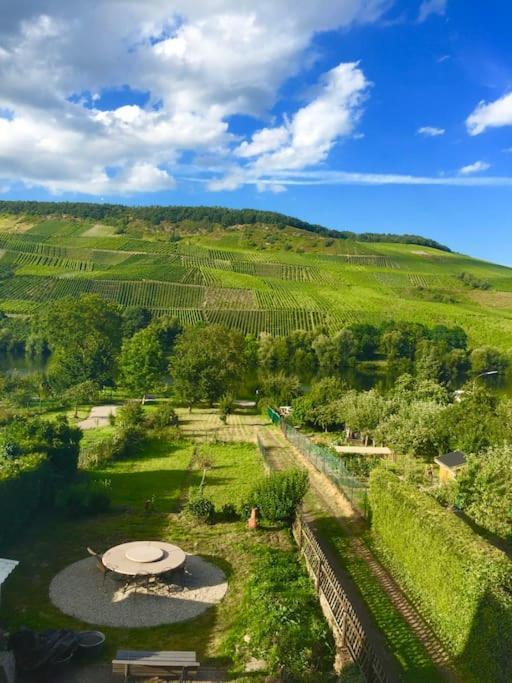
95 342
156 215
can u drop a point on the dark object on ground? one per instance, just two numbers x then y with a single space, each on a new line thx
90 643
39 651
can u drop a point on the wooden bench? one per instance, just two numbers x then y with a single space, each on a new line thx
143 663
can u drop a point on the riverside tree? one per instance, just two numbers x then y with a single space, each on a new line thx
142 361
207 363
84 337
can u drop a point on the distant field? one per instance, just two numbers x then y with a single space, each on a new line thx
257 278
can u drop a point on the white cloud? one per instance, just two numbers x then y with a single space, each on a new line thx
316 127
490 115
265 140
326 177
199 61
429 7
477 167
431 131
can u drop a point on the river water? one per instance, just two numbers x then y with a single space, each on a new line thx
363 377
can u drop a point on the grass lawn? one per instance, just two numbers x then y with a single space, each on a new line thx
161 469
417 667
236 468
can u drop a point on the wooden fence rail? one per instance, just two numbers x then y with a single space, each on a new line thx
351 633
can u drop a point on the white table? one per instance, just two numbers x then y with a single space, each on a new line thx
144 558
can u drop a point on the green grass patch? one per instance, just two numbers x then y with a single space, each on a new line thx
416 665
159 471
236 468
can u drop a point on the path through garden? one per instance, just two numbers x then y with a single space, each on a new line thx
342 532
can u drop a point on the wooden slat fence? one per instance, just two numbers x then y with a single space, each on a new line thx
352 635
350 632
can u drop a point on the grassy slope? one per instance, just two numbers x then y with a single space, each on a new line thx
252 277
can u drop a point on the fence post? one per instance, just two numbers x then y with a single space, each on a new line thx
298 524
343 628
318 577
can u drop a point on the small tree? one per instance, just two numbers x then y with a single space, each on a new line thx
205 462
85 392
226 407
130 415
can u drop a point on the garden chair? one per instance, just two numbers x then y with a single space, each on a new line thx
105 570
99 564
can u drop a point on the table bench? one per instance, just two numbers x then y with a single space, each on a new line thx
144 663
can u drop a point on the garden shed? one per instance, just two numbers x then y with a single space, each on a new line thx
6 567
449 465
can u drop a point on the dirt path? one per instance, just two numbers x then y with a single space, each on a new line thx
329 497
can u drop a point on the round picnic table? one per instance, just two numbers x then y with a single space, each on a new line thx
144 558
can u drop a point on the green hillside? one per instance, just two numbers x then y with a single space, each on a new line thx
255 277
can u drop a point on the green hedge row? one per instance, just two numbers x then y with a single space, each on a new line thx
463 583
23 485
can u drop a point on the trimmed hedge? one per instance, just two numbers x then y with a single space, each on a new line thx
23 484
463 583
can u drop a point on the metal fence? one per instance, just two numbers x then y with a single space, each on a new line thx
327 462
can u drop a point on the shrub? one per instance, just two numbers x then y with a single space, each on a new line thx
279 495
281 622
226 405
229 512
23 484
164 416
130 415
462 582
87 498
126 441
202 509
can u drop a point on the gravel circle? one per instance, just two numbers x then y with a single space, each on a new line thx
79 591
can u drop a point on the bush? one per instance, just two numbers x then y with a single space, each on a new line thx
229 512
279 495
130 415
88 498
126 441
226 405
164 416
202 509
23 484
281 622
462 582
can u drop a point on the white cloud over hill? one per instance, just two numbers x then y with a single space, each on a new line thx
200 63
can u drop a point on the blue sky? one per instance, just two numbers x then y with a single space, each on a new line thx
364 115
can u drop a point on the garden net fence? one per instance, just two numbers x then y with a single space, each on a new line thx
327 462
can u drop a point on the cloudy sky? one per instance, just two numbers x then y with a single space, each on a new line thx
387 115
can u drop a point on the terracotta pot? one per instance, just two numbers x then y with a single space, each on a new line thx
252 522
